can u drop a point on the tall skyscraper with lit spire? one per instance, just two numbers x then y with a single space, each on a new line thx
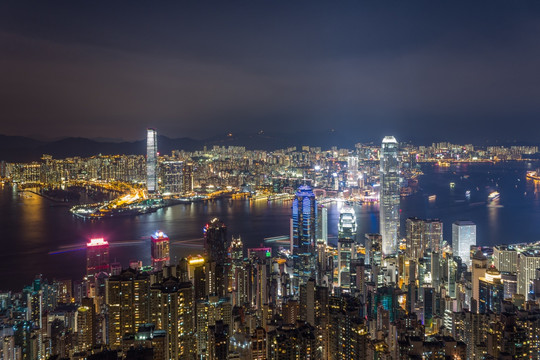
151 160
389 195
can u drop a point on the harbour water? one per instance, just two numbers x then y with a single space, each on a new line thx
37 238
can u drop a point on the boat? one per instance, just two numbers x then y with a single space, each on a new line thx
533 175
432 197
493 196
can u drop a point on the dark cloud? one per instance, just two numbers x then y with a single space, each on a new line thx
456 70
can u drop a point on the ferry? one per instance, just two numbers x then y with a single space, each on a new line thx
533 175
443 163
493 196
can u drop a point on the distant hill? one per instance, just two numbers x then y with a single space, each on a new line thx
19 148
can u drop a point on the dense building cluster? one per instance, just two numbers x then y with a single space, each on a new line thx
367 296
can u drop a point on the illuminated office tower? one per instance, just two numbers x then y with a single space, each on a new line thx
97 257
452 277
389 195
322 225
172 310
236 254
505 258
491 292
352 171
151 160
160 250
215 241
127 299
215 246
346 246
347 223
463 237
304 216
322 240
433 234
346 253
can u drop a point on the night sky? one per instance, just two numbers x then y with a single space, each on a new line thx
462 71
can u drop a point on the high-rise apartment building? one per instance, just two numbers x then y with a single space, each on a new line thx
505 258
127 299
528 262
463 237
160 250
85 325
389 195
151 160
172 310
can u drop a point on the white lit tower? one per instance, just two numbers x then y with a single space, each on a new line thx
151 160
389 195
463 237
346 246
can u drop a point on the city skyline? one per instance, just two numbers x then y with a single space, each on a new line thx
270 180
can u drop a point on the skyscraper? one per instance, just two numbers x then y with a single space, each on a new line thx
97 257
215 241
423 235
347 223
389 195
172 310
528 262
463 237
127 299
346 246
505 258
151 160
215 247
172 177
304 215
160 250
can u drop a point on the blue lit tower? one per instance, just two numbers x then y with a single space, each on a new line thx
389 195
304 214
151 160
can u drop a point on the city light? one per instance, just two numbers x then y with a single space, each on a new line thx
97 242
